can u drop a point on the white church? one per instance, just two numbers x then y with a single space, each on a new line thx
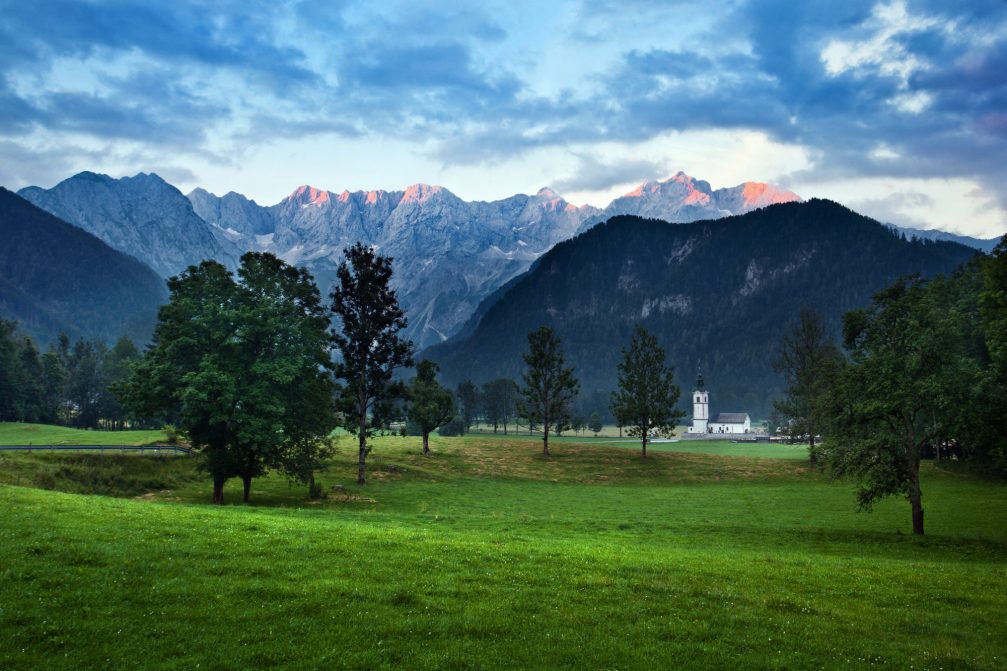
725 422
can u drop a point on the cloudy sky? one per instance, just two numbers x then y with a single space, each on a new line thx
897 109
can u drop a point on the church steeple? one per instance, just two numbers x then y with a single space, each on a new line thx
700 407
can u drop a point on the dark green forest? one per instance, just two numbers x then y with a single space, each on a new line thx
56 278
70 383
719 295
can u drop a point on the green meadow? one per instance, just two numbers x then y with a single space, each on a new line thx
486 555
13 433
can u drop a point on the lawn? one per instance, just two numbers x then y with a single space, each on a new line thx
486 555
14 433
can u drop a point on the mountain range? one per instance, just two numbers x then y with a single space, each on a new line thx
449 254
718 295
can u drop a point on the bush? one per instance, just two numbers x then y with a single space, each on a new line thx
456 427
172 432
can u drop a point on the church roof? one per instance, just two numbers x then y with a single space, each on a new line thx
731 418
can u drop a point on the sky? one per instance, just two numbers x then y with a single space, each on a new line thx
897 109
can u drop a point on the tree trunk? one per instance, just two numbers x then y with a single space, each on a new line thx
246 480
218 491
311 484
362 456
915 493
545 439
916 500
644 444
811 447
426 443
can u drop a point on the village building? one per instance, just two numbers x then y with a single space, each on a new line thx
723 423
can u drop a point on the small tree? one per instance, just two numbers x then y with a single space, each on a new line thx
468 399
594 423
368 340
809 361
549 385
429 404
499 398
646 398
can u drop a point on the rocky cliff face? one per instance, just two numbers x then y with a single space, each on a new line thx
142 216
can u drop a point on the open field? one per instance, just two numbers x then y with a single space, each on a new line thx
485 555
13 433
610 437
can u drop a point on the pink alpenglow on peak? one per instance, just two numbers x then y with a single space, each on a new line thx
418 193
760 194
309 194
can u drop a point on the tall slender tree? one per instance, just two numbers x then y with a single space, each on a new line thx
549 386
809 361
646 398
429 404
369 341
499 399
468 401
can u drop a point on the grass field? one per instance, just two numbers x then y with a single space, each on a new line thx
485 555
12 433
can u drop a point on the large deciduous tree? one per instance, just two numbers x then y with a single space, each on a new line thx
549 386
993 400
898 392
241 367
647 395
370 321
429 404
809 361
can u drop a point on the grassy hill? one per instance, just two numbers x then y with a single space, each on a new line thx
487 556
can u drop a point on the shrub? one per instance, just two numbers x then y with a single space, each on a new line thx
172 432
456 427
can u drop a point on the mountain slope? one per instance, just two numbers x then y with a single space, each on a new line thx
142 216
57 278
718 294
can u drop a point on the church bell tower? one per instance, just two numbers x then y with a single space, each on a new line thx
700 407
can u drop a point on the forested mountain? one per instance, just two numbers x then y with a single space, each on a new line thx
718 294
56 278
142 216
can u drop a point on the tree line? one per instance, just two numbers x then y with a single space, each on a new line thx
70 383
920 373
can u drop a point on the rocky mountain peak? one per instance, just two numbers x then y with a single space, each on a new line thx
309 195
420 193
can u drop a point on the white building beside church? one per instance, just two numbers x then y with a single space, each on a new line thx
725 422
